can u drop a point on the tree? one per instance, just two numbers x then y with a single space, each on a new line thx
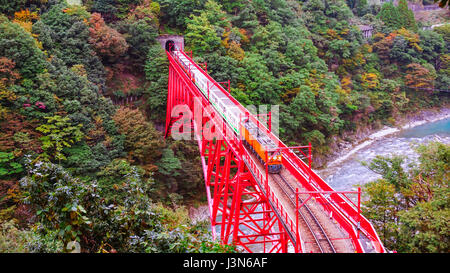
389 14
64 33
58 133
407 16
57 197
201 36
156 70
107 42
20 47
419 77
8 74
410 207
142 141
175 12
140 35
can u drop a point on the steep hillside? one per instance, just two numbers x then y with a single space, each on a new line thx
83 86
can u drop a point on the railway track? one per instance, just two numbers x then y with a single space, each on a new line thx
315 235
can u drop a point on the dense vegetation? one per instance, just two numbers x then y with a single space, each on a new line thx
410 207
79 163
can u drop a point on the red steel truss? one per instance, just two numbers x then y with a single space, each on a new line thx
244 210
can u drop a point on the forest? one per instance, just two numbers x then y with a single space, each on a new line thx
83 88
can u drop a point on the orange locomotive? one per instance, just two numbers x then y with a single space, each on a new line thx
258 143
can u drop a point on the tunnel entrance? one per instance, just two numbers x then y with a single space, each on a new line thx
171 42
170 45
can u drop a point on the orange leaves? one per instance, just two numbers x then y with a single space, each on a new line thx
25 16
419 77
384 44
25 19
245 38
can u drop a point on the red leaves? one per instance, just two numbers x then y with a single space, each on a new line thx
107 41
7 73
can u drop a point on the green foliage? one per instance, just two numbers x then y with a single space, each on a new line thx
66 35
201 35
18 45
58 133
156 73
56 197
169 164
7 165
407 16
413 201
397 17
140 35
175 12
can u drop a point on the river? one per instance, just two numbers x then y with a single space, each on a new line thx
349 173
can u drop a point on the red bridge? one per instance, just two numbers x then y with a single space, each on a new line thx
290 209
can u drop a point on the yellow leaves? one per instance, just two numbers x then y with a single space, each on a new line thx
3 113
346 84
412 38
366 48
25 19
370 80
225 39
235 51
290 94
332 34
315 81
79 70
7 95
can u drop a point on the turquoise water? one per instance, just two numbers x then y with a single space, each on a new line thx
441 128
351 172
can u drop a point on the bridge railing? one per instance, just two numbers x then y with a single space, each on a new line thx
262 178
349 218
343 212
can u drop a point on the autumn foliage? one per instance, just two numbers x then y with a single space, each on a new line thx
419 77
108 42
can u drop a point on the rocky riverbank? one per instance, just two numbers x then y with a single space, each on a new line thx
351 142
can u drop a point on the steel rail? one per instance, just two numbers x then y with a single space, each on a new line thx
324 234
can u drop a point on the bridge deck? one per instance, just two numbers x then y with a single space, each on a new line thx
340 239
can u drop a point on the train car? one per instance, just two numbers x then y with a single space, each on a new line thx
259 143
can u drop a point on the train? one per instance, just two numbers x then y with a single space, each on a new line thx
255 140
